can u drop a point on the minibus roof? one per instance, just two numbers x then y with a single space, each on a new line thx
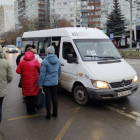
73 32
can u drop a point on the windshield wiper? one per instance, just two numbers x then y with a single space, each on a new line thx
105 57
91 56
111 57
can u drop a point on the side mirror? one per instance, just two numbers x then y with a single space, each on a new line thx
70 58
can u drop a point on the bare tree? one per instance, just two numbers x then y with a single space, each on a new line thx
57 22
31 25
64 23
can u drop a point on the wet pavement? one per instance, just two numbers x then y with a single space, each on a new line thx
108 120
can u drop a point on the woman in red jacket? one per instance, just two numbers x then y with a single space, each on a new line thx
29 68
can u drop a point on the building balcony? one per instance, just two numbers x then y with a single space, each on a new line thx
42 10
41 5
84 4
84 16
138 8
84 10
41 16
84 22
94 22
104 10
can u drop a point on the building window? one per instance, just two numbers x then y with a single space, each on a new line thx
71 15
97 7
91 1
71 20
97 1
78 2
59 3
71 9
90 7
64 3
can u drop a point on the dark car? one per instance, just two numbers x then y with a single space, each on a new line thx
11 49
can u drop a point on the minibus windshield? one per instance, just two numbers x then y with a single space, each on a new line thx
96 49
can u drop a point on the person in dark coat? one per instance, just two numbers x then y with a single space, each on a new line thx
48 80
56 49
22 54
42 54
29 68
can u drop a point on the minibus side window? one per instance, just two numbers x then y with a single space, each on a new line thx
68 49
46 43
56 43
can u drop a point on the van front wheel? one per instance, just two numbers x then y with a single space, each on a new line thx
80 95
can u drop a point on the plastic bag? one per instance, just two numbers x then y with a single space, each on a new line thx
40 99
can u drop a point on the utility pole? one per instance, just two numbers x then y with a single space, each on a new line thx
130 1
130 25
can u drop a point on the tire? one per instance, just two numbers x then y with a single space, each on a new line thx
80 95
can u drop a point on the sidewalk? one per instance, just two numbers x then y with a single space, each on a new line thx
134 54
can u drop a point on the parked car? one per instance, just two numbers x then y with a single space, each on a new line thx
11 48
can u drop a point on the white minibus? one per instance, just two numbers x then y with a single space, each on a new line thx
92 67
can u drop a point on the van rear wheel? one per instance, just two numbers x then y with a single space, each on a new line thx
80 95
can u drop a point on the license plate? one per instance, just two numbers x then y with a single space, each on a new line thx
124 93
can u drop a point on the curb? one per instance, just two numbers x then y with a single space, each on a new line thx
133 57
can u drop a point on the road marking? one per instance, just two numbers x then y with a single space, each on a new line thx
122 112
25 117
136 113
67 125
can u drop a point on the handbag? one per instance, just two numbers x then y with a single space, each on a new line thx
40 99
20 83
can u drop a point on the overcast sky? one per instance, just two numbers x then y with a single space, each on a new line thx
7 2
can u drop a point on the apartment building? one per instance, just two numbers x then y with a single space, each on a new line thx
16 14
85 13
138 13
19 12
90 13
6 18
34 10
65 9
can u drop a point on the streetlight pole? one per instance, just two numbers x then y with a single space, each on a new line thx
130 1
130 25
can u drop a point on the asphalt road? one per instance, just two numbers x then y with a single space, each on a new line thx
109 120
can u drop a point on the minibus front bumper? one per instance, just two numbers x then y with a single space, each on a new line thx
102 94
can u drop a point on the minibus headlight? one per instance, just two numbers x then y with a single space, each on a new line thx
100 84
135 80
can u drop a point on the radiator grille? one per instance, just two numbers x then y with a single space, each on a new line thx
122 83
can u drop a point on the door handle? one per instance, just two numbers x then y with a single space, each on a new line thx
62 64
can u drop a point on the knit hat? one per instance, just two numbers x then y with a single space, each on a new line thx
50 49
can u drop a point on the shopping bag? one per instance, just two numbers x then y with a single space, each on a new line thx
40 99
44 100
20 83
